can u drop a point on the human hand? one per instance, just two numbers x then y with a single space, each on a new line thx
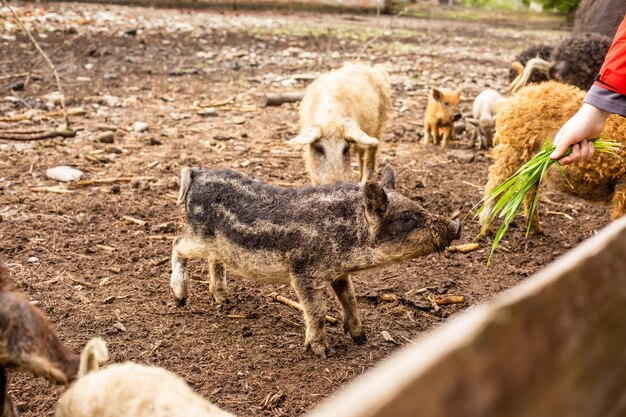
587 123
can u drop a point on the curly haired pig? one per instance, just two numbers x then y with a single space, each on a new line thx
535 51
28 343
309 237
537 112
576 61
343 112
130 389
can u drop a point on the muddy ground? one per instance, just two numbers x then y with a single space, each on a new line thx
95 272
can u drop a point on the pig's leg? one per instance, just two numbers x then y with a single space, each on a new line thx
310 291
447 136
361 156
473 137
369 163
183 249
436 134
178 281
351 320
426 138
217 281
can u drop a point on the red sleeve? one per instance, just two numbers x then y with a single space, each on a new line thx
613 72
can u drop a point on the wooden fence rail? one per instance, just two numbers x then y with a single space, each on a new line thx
553 346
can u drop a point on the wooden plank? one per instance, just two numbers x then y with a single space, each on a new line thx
553 346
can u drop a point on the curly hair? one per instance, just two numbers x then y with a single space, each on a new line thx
577 60
536 51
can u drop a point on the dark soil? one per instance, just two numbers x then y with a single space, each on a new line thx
99 274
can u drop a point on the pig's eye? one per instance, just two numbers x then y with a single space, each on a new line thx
409 220
445 103
407 217
319 150
346 151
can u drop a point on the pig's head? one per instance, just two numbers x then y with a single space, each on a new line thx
327 150
448 100
400 227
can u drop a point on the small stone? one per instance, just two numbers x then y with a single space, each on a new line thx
154 142
33 260
110 76
461 156
115 189
109 300
64 174
208 112
388 337
140 126
119 327
239 120
106 137
115 150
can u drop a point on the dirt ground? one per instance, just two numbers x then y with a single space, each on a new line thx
94 272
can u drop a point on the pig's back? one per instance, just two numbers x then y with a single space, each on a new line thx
264 217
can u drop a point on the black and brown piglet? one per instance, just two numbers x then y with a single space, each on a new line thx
309 237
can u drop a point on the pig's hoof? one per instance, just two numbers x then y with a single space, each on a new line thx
181 302
320 349
360 339
219 299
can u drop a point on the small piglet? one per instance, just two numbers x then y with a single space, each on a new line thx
308 237
441 113
484 120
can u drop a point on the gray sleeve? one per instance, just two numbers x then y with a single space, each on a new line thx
606 100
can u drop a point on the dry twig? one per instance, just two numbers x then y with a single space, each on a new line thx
276 99
298 306
134 220
97 181
56 189
449 299
466 248
37 134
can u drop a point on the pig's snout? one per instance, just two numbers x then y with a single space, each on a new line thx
456 116
454 230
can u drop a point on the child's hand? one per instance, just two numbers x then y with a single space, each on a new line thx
587 123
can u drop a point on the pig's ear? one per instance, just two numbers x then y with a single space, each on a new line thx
459 90
375 199
472 121
308 135
436 94
353 133
388 180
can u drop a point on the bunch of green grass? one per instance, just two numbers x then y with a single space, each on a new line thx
509 196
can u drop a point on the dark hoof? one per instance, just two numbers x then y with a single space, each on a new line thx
181 303
360 339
